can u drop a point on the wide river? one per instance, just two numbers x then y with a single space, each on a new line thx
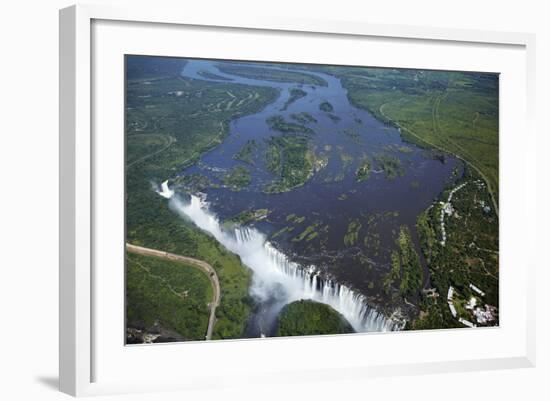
333 197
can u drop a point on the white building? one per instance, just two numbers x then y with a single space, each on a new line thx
466 323
448 208
471 303
473 287
450 293
452 308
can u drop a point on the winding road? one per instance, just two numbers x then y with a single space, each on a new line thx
202 265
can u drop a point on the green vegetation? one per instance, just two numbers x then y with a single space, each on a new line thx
326 107
278 123
303 118
237 178
353 233
374 221
246 152
308 234
270 74
405 266
282 231
304 317
246 217
295 94
391 165
291 159
405 149
394 147
182 117
363 171
196 115
141 146
193 183
210 75
346 161
411 270
273 157
292 218
469 255
435 154
172 295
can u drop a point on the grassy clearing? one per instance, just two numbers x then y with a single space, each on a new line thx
170 294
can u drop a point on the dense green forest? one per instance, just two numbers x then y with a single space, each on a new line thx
171 295
291 159
469 255
305 317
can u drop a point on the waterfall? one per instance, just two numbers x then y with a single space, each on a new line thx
275 275
165 190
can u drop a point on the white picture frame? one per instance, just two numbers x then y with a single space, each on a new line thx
78 158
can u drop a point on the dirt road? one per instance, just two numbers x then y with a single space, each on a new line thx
202 265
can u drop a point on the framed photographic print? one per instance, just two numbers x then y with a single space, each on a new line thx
352 195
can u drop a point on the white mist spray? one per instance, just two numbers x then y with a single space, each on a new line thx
275 273
165 190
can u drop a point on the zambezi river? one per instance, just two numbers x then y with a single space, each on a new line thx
348 277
